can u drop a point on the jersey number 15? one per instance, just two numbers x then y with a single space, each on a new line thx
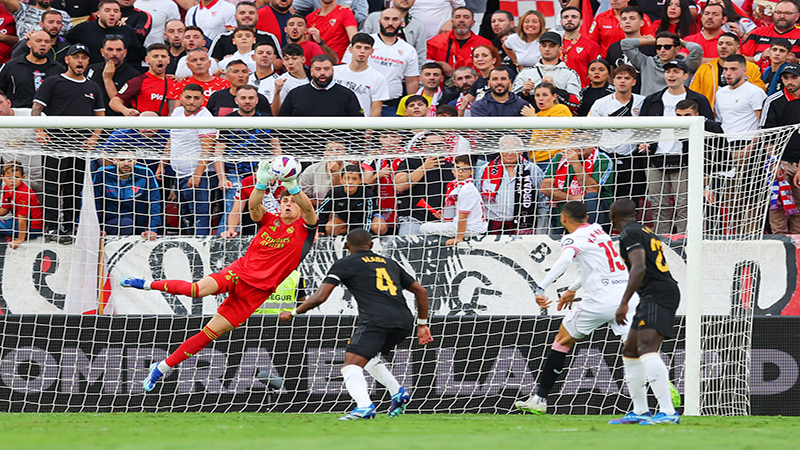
613 257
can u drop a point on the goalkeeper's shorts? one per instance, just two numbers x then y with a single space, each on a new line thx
243 299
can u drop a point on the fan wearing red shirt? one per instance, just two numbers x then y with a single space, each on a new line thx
606 30
785 16
8 34
148 91
198 62
280 245
22 203
336 25
577 50
453 49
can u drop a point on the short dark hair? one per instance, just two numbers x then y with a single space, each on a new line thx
157 46
321 58
416 98
633 9
194 28
243 28
3 94
106 2
508 14
246 3
359 238
50 12
601 61
731 35
502 69
13 166
293 50
781 42
192 87
548 86
234 63
268 44
688 104
447 110
575 211
297 16
352 168
362 38
738 59
625 68
721 6
112 38
572 8
431 65
464 8
676 40
463 159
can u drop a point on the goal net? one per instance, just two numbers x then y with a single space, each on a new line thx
92 200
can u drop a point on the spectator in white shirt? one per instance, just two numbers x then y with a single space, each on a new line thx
161 12
193 38
367 83
436 15
295 76
213 16
738 105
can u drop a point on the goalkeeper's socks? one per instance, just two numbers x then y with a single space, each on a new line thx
552 369
191 346
637 384
382 375
356 385
178 287
658 377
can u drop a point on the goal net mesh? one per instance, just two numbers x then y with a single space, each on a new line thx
87 207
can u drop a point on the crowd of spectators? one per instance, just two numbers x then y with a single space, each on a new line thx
410 58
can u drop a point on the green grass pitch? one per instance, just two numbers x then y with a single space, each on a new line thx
199 431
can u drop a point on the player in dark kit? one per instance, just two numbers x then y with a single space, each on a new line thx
654 320
377 284
281 243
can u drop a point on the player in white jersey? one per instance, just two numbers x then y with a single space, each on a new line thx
604 278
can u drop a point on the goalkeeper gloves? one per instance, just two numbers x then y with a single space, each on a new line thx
291 186
264 176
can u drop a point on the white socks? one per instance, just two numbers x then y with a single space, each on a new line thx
357 385
377 369
637 384
658 377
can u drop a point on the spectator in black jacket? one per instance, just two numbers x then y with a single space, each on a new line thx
113 72
667 176
135 18
222 103
52 23
321 97
21 77
500 101
92 34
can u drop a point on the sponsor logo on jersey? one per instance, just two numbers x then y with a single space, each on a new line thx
89 95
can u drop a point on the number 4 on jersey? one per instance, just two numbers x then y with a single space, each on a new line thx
384 282
613 257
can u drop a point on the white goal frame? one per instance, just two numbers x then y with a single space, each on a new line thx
694 125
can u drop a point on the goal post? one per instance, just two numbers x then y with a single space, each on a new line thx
305 138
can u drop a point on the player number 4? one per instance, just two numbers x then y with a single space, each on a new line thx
655 245
613 257
384 282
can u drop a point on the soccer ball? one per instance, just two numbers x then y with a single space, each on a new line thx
285 167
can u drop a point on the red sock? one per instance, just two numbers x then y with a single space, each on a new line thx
191 346
178 287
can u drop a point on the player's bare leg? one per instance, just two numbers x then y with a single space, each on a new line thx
649 342
637 382
553 366
216 327
356 384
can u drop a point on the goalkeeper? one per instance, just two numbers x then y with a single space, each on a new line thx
281 243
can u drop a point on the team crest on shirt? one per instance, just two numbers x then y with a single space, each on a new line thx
214 13
277 223
578 49
332 22
400 52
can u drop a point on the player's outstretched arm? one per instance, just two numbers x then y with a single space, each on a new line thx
558 269
306 208
421 296
312 301
636 258
264 177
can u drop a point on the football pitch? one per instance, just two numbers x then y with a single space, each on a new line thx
440 431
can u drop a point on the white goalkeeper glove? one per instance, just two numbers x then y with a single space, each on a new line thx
264 176
291 186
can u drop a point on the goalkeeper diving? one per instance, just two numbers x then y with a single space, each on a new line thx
277 249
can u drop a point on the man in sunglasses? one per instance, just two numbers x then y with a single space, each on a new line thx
651 68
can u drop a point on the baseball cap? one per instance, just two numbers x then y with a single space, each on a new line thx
793 69
678 63
77 48
550 36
